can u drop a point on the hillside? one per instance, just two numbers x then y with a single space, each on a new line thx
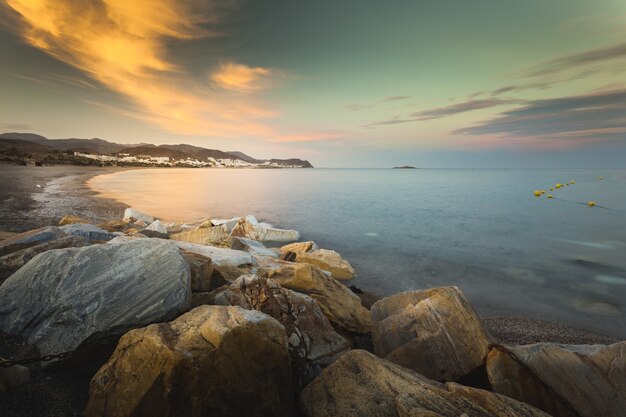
22 145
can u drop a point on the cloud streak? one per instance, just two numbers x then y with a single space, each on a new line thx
439 112
125 46
595 117
591 57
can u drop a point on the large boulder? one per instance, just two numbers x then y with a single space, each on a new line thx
340 305
212 361
90 232
563 380
64 298
14 261
134 215
215 236
313 342
299 247
360 384
30 238
435 332
250 228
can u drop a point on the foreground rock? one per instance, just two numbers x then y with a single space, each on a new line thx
14 261
340 305
589 380
253 247
157 226
89 232
212 361
434 332
29 239
250 228
328 260
219 256
63 298
313 343
201 269
361 385
12 377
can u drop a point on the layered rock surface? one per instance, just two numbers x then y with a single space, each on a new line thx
212 361
435 332
563 380
359 384
63 298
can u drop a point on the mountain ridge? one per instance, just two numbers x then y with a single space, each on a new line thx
104 147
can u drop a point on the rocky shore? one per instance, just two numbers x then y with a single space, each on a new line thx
229 317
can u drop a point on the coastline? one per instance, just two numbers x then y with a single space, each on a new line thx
66 192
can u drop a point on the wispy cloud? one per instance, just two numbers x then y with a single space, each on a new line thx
15 126
126 46
242 78
584 118
451 110
364 106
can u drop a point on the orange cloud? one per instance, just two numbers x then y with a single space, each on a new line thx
238 77
122 44
311 136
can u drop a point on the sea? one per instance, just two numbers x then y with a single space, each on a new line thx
483 230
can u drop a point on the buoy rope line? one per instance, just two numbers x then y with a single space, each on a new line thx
587 204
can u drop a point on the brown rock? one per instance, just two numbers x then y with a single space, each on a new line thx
201 269
330 261
340 305
299 247
435 332
114 226
212 361
5 235
563 380
72 219
359 384
213 236
13 376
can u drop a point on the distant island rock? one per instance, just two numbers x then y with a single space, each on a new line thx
405 167
23 148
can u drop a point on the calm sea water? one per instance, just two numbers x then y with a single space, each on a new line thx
483 230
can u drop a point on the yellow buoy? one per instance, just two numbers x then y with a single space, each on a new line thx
537 193
572 182
549 195
551 189
566 184
542 191
591 203
600 178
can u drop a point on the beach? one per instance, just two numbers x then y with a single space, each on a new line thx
33 197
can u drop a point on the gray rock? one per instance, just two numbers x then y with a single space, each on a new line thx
157 226
134 215
13 377
252 246
88 231
30 238
62 298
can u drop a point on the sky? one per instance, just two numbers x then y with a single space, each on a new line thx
350 83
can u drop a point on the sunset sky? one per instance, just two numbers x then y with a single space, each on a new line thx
354 83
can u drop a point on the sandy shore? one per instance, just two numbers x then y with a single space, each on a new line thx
31 197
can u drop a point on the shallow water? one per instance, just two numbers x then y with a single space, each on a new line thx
483 230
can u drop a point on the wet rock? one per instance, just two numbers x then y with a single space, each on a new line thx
253 247
340 305
201 269
62 299
72 219
563 380
212 361
360 384
134 215
89 232
435 332
30 238
13 377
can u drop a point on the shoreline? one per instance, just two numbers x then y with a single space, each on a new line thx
69 193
